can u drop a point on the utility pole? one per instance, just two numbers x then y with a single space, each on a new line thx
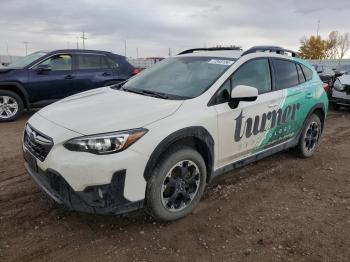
84 38
26 46
318 27
169 52
77 42
7 52
125 47
137 53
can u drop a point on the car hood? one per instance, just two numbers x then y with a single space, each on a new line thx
107 110
344 79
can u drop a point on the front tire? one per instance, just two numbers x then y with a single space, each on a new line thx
11 106
310 136
177 184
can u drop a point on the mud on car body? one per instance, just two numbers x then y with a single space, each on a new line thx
158 139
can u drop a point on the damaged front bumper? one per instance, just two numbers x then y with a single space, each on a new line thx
100 199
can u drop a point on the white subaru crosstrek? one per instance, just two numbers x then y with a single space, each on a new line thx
156 140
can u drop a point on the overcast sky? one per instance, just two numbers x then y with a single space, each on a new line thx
155 26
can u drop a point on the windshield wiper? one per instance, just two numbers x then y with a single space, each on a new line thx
155 94
145 92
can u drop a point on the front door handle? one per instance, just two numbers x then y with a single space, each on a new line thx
106 74
69 77
272 105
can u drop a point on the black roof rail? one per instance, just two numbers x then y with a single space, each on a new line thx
272 49
189 51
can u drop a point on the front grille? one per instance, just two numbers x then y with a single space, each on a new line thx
37 143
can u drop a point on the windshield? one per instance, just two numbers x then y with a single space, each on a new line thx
180 77
26 60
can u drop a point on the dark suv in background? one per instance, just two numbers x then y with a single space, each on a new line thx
42 78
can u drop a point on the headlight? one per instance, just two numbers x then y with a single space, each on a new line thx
338 86
108 143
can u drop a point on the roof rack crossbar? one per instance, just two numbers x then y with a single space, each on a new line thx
189 51
272 49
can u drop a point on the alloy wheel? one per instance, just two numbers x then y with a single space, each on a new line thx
180 186
312 136
8 107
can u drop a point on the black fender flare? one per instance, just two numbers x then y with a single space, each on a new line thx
21 89
197 132
311 111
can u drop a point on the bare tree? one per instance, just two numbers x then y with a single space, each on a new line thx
343 44
331 51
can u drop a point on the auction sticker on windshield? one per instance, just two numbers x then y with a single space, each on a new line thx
221 62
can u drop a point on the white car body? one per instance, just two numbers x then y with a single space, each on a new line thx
107 110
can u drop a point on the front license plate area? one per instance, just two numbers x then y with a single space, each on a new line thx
30 159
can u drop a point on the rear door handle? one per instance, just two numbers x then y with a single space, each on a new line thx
272 105
68 77
106 74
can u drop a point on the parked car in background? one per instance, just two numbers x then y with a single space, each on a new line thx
326 74
156 140
43 77
342 69
341 91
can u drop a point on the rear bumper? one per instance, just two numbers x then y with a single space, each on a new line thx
101 199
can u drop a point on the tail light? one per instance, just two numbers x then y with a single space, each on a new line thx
135 72
325 87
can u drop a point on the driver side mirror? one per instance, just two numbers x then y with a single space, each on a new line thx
40 69
242 93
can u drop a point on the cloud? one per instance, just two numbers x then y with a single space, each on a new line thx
154 26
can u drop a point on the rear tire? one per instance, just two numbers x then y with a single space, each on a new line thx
177 184
310 137
11 106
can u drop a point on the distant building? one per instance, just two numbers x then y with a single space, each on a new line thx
143 63
6 59
329 63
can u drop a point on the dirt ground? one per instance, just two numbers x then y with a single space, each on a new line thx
279 209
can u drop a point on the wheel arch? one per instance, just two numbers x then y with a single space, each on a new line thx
18 89
319 110
196 137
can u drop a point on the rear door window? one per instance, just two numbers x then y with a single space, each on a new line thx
300 74
92 61
286 74
307 72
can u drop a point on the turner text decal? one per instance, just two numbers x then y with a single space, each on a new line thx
258 124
